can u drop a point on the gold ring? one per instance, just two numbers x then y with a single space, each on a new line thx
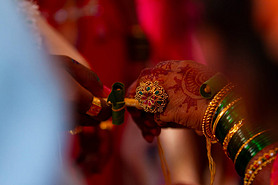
151 97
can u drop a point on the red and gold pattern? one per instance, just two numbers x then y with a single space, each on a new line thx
151 97
258 165
95 108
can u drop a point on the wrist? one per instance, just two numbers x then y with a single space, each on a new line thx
251 148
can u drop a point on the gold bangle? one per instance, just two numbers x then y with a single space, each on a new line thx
231 133
258 165
221 114
244 144
214 103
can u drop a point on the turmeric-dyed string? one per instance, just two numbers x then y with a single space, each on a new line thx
163 162
212 167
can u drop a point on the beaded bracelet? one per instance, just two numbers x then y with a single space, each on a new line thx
258 165
207 120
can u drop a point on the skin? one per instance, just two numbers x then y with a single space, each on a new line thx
94 143
84 84
185 108
181 80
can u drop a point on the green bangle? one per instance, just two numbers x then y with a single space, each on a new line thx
251 149
240 138
227 121
228 99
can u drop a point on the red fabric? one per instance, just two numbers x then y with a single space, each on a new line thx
170 26
274 172
101 41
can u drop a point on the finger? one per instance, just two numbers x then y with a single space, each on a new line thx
83 75
148 137
198 132
105 113
159 121
86 120
132 90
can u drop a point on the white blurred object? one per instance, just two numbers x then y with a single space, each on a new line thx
31 108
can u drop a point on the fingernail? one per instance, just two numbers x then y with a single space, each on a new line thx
74 61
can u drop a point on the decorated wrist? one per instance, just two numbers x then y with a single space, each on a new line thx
225 122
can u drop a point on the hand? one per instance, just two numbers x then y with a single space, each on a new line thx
96 149
181 81
84 85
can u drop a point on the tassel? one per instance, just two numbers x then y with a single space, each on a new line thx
212 166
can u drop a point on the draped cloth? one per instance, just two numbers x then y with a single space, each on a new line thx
274 172
31 110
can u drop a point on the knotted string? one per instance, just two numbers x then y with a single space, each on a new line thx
212 166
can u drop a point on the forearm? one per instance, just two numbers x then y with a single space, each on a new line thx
251 146
84 86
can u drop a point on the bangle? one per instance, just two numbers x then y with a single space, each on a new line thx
239 138
231 117
228 99
222 113
258 165
206 125
251 150
246 143
229 136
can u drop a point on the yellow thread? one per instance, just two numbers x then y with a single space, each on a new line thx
250 139
163 162
117 110
212 166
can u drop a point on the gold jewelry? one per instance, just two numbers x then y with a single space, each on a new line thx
258 165
129 102
242 146
106 125
151 96
214 103
95 107
76 130
229 136
222 113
